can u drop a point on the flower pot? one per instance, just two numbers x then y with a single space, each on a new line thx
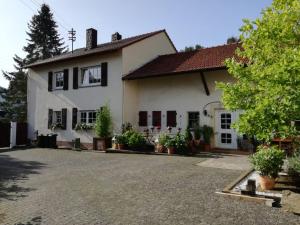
266 182
121 146
115 146
159 148
171 150
101 143
206 147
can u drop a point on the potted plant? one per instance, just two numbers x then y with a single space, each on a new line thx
136 141
181 144
207 134
103 129
268 161
162 139
170 144
197 135
121 141
189 139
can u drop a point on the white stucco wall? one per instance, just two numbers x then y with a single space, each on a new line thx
87 98
182 93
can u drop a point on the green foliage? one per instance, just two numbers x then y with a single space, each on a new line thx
188 135
294 164
181 144
163 138
170 143
207 133
103 125
268 160
197 132
136 140
232 39
121 139
84 126
44 41
267 89
127 135
126 127
192 48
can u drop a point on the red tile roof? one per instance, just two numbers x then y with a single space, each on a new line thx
203 59
102 48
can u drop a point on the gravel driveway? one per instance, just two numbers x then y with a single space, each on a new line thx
59 187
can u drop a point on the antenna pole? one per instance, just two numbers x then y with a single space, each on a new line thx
72 36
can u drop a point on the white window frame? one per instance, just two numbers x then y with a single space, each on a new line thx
87 112
55 117
87 83
55 79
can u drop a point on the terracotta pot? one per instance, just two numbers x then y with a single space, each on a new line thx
206 147
171 150
159 148
114 146
266 182
101 143
121 146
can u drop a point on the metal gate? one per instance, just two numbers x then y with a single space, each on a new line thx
4 135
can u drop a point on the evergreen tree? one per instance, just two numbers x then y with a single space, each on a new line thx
15 100
232 39
44 41
191 48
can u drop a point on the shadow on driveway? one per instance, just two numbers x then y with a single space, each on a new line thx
12 171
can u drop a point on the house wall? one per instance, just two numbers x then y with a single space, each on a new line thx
182 93
135 56
86 98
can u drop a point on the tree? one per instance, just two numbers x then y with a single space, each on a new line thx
232 39
191 48
15 100
44 41
267 87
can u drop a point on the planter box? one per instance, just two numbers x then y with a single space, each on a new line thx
101 143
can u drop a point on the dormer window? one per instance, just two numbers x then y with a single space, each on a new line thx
59 80
90 76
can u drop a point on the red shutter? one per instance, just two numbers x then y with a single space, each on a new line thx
171 119
156 118
143 118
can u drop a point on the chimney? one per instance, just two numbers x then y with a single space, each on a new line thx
91 38
116 37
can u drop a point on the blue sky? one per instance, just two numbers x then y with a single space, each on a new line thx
189 22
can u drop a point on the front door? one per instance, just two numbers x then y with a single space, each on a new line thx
226 136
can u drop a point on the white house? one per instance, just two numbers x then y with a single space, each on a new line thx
144 80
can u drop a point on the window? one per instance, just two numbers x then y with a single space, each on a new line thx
156 118
57 117
193 119
90 76
225 120
143 118
171 119
226 138
88 117
59 80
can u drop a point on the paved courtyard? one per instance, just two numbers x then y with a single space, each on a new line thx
60 187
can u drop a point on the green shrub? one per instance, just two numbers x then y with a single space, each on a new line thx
268 161
136 140
103 126
197 132
188 135
294 164
127 135
207 133
120 139
170 143
162 139
181 144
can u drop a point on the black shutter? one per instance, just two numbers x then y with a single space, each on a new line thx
171 119
104 74
50 118
64 119
66 79
75 78
74 117
143 118
50 79
156 118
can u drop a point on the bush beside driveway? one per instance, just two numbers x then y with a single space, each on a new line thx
67 187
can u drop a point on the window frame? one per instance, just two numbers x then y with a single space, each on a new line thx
188 118
80 80
61 72
87 118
